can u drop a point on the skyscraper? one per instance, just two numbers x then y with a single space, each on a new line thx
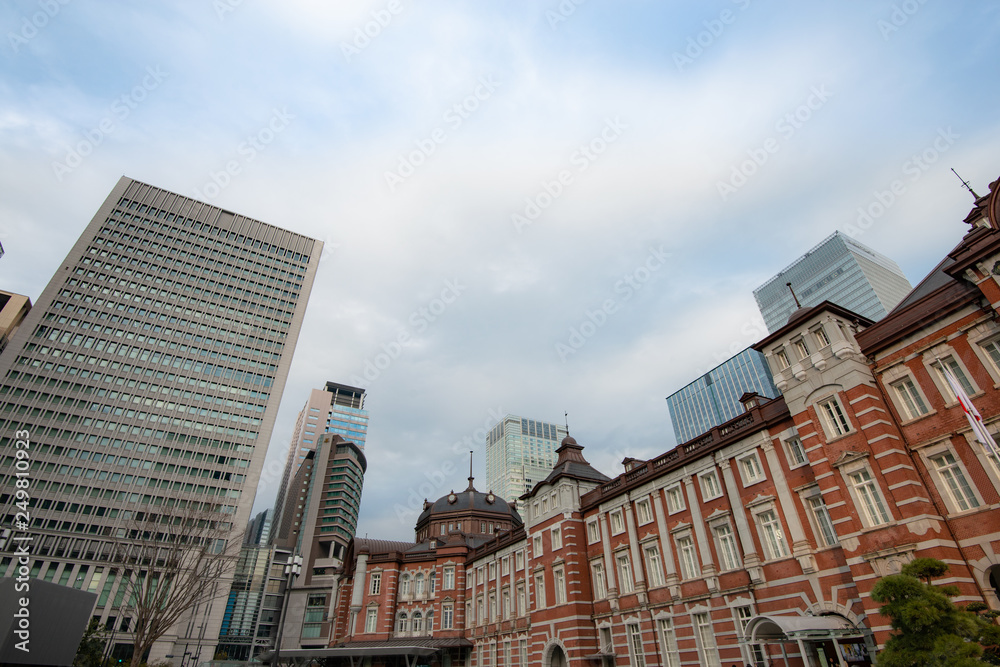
714 398
520 452
148 375
839 270
337 408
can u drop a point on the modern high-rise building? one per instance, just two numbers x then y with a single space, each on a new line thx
520 452
714 398
148 377
839 270
13 309
337 408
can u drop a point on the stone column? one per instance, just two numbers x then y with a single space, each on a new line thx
751 561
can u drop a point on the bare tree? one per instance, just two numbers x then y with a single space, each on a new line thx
172 561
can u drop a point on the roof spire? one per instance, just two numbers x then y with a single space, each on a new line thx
966 185
566 415
789 286
471 478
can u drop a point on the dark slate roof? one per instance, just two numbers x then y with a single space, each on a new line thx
379 546
571 464
471 500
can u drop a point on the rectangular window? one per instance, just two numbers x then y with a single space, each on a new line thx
519 560
540 591
801 349
675 499
958 373
643 511
493 606
822 340
449 577
834 418
617 522
771 535
871 503
447 616
556 538
710 487
825 534
955 481
376 583
782 359
521 600
750 469
725 542
913 404
600 586
559 579
668 643
653 565
744 615
536 546
505 610
796 453
625 573
522 646
688 557
371 621
593 532
636 654
707 651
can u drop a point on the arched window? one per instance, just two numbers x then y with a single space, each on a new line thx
420 584
402 623
418 623
404 585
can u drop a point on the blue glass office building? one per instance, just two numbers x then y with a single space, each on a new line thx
714 398
839 270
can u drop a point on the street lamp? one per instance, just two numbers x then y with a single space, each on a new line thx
293 568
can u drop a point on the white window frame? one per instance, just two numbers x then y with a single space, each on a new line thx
856 476
654 563
636 651
752 653
771 531
708 649
820 336
599 579
536 546
617 521
449 578
371 620
626 577
559 583
710 490
539 590
816 509
751 470
687 557
944 354
643 511
729 557
833 416
447 616
801 348
980 342
668 642
555 535
375 583
909 398
950 478
794 460
593 531
675 499
781 358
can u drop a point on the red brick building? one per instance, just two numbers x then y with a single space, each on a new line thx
757 542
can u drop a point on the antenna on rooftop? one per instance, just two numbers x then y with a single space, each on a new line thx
965 184
789 286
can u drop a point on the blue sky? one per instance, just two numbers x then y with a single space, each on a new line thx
592 142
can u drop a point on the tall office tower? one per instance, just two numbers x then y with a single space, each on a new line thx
259 529
714 398
337 408
148 375
325 495
839 270
520 452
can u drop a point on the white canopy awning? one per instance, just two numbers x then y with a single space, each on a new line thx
774 629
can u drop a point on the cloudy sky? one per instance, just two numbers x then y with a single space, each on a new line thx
557 207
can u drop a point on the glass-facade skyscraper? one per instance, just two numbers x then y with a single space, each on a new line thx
714 398
520 452
148 375
839 270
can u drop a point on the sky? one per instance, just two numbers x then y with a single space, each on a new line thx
535 208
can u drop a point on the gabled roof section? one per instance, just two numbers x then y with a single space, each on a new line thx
570 464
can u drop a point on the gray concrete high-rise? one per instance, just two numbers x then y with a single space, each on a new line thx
148 375
839 270
520 452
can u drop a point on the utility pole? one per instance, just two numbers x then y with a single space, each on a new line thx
293 568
